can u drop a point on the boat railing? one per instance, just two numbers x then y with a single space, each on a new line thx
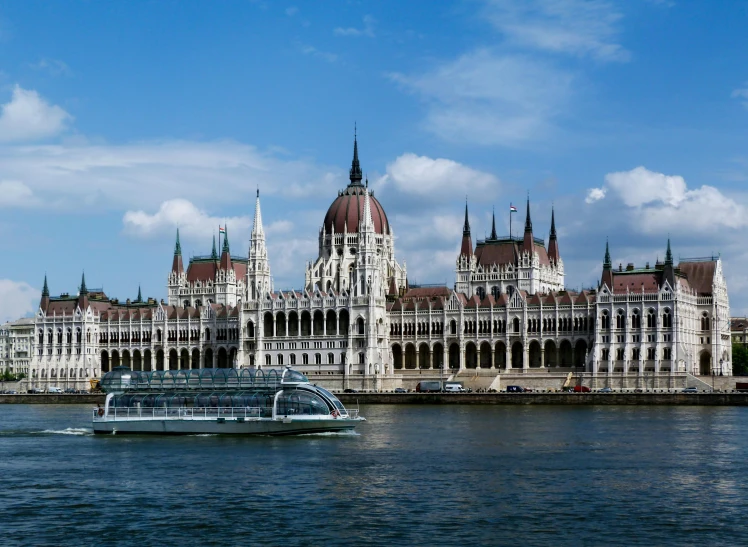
352 413
184 413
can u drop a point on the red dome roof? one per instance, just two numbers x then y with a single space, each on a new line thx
347 210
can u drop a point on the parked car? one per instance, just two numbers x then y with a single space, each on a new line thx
515 389
71 390
401 390
36 390
581 389
690 389
606 390
350 390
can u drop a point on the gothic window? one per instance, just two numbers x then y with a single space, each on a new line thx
59 336
705 321
495 292
606 354
88 336
453 327
651 352
667 354
186 303
317 359
78 336
268 359
635 353
620 320
360 323
667 319
481 292
280 359
158 335
330 359
207 335
49 336
292 359
636 320
361 358
650 318
41 337
619 354
516 324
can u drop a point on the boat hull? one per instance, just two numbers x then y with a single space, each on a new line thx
262 426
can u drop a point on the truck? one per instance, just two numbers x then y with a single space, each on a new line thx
429 387
95 385
454 387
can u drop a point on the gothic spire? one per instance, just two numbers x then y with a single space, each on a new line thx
466 248
257 228
493 225
528 220
553 223
83 290
607 264
214 253
355 173
553 253
225 239
178 246
45 289
466 226
140 296
367 222
668 254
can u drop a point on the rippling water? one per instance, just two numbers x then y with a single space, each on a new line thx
424 475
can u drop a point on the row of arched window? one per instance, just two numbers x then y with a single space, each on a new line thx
636 319
329 359
422 328
68 336
667 354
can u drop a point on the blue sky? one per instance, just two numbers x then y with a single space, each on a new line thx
122 120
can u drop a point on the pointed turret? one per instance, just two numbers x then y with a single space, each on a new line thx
668 254
226 251
258 281
140 295
668 270
528 244
83 293
45 295
466 249
493 225
214 253
607 277
553 253
257 228
176 264
355 172
367 223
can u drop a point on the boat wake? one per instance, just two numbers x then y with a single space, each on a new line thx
68 431
345 433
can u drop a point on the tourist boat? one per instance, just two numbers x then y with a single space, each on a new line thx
218 401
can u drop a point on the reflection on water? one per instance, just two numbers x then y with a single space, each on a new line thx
420 475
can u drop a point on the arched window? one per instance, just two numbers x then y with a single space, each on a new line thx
304 359
158 336
330 359
667 319
651 322
705 321
605 320
481 292
59 336
620 320
317 359
636 320
495 292
453 327
292 359
516 324
207 335
69 336
267 359
280 359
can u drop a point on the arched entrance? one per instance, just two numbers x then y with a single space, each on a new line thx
565 354
160 360
223 358
534 354
331 323
485 355
438 356
184 359
195 358
471 356
267 325
397 356
126 359
306 324
137 360
580 353
705 363
500 355
318 326
454 355
410 356
104 361
115 358
208 358
517 356
147 365
423 356
280 324
550 354
293 324
173 360
343 320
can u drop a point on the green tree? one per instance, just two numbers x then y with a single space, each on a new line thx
739 360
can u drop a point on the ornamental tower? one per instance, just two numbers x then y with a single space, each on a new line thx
465 260
259 280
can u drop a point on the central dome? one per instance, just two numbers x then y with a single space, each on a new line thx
347 211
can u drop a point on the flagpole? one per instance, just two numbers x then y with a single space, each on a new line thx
510 220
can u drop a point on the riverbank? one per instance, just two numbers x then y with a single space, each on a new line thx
351 399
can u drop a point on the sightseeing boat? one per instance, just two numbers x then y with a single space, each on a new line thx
218 401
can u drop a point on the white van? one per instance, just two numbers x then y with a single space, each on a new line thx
454 388
53 389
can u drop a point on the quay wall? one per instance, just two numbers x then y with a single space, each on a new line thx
351 399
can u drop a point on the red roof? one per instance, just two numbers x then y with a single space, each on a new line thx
348 209
700 275
503 252
205 270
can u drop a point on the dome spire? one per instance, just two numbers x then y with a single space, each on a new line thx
355 173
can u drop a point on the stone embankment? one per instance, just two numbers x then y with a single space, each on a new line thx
662 398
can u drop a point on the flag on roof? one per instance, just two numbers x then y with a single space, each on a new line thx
221 230
512 208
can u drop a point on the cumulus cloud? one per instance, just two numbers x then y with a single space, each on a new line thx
660 202
314 52
576 27
367 30
147 174
17 299
437 178
594 194
491 98
29 117
14 193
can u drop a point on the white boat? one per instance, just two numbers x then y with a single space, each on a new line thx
218 401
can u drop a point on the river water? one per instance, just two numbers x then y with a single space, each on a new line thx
411 475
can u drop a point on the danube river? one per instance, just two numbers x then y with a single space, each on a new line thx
411 475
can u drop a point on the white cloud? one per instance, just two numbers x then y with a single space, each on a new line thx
426 177
490 98
54 67
594 194
291 11
17 299
314 52
15 194
182 214
367 30
28 117
142 175
575 27
742 94
660 203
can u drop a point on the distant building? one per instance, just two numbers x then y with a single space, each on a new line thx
16 339
357 321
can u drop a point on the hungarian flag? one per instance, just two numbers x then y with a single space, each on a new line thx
221 230
512 208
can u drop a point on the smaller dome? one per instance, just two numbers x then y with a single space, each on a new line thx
347 211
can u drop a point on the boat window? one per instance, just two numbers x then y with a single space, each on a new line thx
301 403
294 376
330 396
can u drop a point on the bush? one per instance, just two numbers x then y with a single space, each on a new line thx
739 360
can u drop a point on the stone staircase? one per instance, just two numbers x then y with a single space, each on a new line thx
698 383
